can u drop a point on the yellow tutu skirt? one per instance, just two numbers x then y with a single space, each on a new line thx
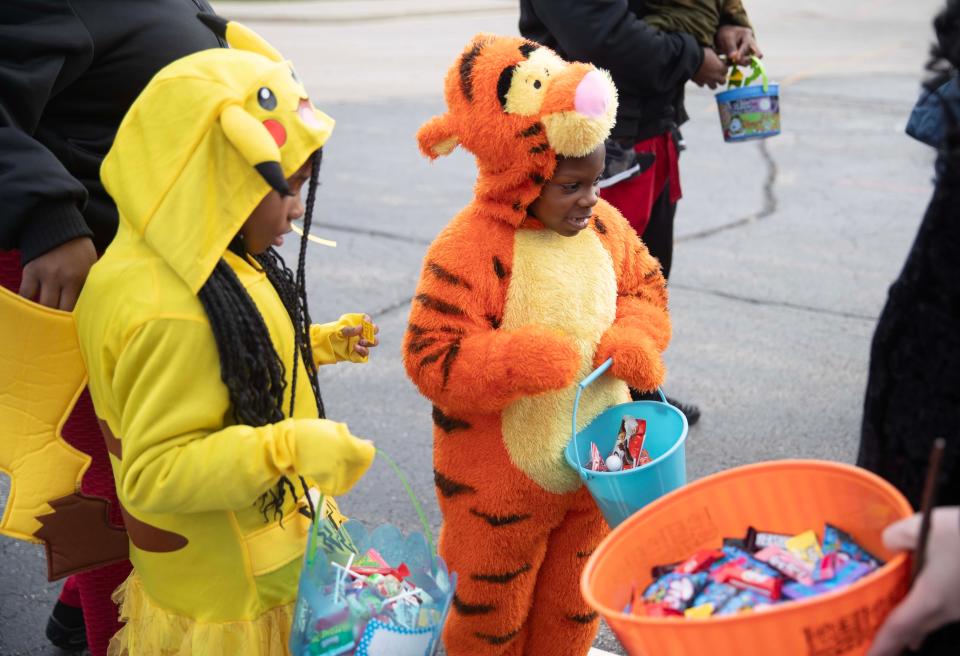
154 631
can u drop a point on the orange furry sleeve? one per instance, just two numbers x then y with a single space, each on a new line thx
641 331
454 350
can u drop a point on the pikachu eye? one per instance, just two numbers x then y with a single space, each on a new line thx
266 99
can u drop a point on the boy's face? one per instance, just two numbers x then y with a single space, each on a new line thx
566 201
272 218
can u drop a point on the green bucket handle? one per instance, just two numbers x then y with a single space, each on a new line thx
312 545
592 376
757 70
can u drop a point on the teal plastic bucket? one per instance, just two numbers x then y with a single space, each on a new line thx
620 494
749 112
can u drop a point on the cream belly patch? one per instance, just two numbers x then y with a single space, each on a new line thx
567 284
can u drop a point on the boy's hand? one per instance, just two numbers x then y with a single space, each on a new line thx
362 347
737 43
934 599
713 72
55 278
635 358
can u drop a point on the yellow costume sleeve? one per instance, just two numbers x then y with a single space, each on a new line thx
330 347
176 456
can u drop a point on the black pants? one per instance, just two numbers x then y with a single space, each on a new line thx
658 235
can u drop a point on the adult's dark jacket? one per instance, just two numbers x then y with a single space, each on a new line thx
69 70
649 67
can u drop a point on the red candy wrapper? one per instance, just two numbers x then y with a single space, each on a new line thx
596 462
737 573
699 561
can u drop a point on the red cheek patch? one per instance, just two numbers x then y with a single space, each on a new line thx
276 131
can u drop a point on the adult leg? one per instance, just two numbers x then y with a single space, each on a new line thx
658 235
560 620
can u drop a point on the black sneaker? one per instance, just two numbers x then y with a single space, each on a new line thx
691 411
622 162
65 628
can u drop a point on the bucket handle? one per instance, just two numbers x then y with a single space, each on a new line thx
583 384
757 71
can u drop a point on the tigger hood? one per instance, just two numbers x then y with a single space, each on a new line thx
517 106
202 145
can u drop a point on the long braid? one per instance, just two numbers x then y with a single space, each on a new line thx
250 366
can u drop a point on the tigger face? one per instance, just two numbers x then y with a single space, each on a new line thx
517 106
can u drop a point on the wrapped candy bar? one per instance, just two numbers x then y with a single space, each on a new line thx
835 539
805 546
699 561
596 462
715 595
756 540
744 601
743 575
787 564
675 591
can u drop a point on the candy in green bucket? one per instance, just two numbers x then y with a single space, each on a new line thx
749 111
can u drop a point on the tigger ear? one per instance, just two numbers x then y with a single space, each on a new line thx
437 137
253 140
239 36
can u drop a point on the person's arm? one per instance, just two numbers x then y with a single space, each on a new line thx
176 455
455 352
42 47
341 340
607 34
934 599
735 37
641 330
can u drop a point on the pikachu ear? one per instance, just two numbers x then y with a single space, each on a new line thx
437 137
253 140
239 36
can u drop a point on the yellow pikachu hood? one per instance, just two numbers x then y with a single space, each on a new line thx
209 136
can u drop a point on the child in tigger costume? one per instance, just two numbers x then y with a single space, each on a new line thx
528 288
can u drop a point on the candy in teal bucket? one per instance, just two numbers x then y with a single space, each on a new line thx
749 111
620 494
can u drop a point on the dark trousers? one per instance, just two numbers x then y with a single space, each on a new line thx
658 235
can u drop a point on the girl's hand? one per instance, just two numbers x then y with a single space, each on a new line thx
362 347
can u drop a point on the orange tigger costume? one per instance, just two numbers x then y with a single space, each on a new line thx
507 317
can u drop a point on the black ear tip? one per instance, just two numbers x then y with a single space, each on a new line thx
273 174
216 24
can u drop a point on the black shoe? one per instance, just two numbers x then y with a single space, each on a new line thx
65 628
691 411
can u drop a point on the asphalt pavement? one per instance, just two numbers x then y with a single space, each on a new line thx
785 247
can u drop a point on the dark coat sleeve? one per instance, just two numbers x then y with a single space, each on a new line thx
43 46
608 34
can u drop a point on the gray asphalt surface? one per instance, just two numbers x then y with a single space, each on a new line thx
785 248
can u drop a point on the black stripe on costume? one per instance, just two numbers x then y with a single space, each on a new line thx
517 206
446 276
584 618
497 639
449 487
471 609
537 178
420 330
531 131
446 423
498 268
493 321
651 274
602 229
430 359
527 48
435 304
448 359
584 554
542 148
418 345
506 577
466 70
499 520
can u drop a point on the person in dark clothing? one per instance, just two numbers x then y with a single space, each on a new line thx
69 70
650 69
913 388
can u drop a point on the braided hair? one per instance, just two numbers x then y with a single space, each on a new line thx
250 366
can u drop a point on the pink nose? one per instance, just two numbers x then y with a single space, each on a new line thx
592 95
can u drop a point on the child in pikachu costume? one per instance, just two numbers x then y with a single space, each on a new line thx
202 359
509 313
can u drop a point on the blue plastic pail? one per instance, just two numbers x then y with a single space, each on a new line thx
620 494
750 112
